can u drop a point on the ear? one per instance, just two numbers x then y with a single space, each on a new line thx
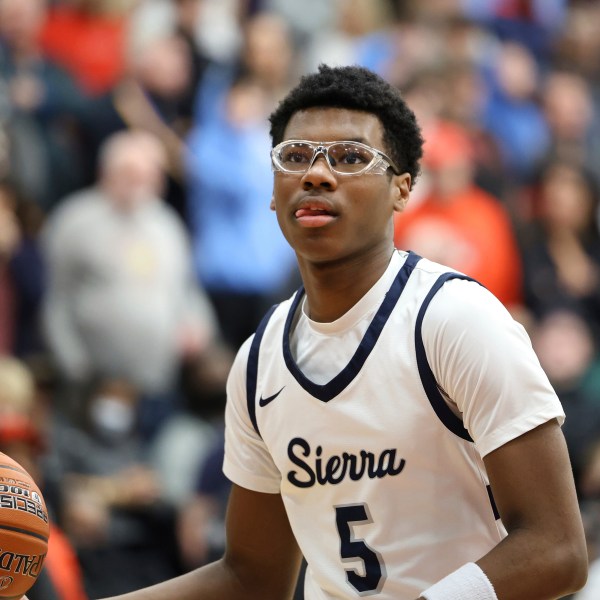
272 204
401 191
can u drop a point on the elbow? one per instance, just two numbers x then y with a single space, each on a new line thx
570 565
579 572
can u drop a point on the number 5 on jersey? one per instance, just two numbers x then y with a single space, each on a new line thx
352 549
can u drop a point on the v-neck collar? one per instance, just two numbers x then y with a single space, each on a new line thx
335 386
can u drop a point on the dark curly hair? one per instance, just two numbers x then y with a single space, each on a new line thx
357 88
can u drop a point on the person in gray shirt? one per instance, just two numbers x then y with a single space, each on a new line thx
122 300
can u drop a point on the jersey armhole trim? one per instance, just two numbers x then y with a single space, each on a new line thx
430 384
252 367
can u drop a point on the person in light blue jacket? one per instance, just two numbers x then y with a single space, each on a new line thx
240 255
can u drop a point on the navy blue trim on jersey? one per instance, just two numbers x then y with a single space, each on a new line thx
335 386
252 367
439 405
493 502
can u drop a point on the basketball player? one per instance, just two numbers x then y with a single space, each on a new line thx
390 421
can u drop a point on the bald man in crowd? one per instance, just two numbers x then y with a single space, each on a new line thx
122 299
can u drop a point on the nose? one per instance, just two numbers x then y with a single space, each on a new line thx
319 174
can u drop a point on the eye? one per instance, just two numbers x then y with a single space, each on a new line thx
296 153
353 158
347 154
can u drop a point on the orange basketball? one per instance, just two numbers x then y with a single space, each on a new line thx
24 529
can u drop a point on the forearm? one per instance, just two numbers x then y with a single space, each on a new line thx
215 581
544 555
211 582
522 567
529 566
261 562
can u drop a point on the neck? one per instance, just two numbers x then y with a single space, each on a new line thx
333 288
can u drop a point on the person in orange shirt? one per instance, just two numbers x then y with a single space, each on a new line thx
458 223
88 39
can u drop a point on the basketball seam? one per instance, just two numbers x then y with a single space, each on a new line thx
13 468
25 531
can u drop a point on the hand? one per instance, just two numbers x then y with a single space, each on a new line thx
137 486
86 517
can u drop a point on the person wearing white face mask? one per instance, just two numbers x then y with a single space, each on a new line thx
112 418
113 502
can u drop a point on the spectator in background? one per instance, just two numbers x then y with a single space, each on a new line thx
187 16
150 97
20 438
577 45
112 508
572 118
458 222
306 19
10 237
187 436
241 257
512 114
28 277
201 523
348 40
457 92
88 38
122 300
41 106
464 96
561 245
533 23
17 392
21 273
569 355
163 67
164 63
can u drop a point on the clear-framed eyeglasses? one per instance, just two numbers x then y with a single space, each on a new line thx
343 157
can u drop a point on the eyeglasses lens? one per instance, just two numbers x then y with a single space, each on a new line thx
344 157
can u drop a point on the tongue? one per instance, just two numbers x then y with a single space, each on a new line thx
310 212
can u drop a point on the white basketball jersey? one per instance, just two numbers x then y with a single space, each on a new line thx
385 490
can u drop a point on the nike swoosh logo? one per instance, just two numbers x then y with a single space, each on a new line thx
264 401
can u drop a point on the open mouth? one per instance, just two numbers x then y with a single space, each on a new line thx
311 212
314 216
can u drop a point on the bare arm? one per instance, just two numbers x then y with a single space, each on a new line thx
261 561
544 555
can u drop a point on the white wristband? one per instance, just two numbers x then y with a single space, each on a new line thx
467 583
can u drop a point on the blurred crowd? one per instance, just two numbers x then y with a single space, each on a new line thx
137 249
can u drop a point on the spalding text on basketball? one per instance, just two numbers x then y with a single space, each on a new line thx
21 564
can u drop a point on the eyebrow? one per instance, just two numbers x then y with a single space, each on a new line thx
360 140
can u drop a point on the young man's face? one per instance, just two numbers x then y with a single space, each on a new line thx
326 216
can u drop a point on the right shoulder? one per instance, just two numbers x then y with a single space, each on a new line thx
238 368
273 323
